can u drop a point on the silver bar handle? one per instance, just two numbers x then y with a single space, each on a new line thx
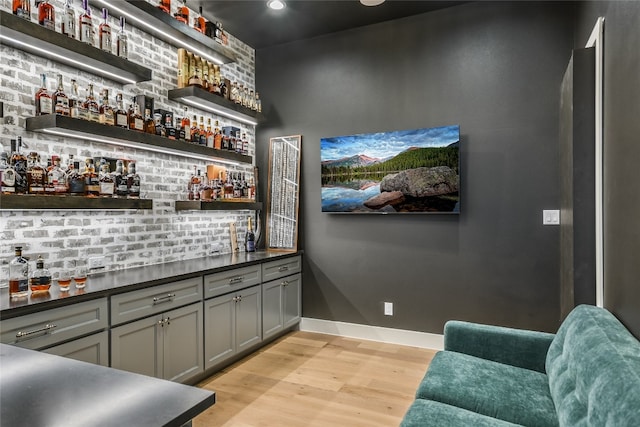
46 328
235 280
166 298
283 268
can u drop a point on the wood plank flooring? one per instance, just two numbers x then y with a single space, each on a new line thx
314 380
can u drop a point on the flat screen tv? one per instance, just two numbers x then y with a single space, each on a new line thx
405 171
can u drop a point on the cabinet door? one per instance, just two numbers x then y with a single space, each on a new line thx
136 347
219 329
271 308
182 343
291 304
248 318
92 349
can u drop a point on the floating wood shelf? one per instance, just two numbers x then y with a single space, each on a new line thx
199 205
71 127
201 98
31 37
152 20
42 202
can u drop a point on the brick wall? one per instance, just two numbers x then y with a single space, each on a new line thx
125 238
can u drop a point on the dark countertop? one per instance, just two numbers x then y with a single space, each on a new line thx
40 389
114 282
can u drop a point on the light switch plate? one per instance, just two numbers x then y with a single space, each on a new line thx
551 217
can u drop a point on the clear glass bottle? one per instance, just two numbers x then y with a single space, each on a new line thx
46 14
86 24
104 31
61 100
68 25
238 98
258 103
133 181
18 275
44 101
40 279
122 45
35 174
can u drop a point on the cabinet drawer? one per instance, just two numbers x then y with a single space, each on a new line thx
231 280
146 302
43 329
280 268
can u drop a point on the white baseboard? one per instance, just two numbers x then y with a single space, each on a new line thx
374 333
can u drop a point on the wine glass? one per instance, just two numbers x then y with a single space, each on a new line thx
64 280
80 277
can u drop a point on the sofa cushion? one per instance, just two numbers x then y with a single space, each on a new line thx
490 388
426 413
593 366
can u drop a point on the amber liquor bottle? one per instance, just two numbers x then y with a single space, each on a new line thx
186 125
91 181
107 115
122 117
165 6
217 137
199 23
46 14
104 31
35 174
136 121
91 105
202 140
183 13
61 100
195 79
107 183
195 132
44 102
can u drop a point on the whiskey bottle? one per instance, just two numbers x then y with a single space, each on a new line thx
217 137
35 174
61 100
149 123
195 79
238 98
245 97
195 132
122 46
160 128
107 115
75 180
104 31
214 86
92 107
56 180
40 279
199 23
228 187
258 103
224 90
68 25
18 275
46 14
250 239
107 183
91 181
244 144
136 121
44 102
75 106
186 125
19 163
7 174
209 135
120 179
233 96
165 6
204 66
86 24
121 116
133 181
183 13
202 140
22 8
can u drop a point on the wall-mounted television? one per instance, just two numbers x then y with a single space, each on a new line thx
405 171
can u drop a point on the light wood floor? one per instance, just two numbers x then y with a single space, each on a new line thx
308 379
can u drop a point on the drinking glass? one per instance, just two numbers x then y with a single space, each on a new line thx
80 277
64 280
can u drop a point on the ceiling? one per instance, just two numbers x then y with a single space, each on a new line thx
259 27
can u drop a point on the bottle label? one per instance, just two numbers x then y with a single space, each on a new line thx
82 113
69 24
122 48
76 186
62 105
139 124
86 30
121 120
105 39
8 180
49 23
40 281
46 105
23 13
106 188
107 117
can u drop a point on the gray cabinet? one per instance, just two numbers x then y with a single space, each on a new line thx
231 280
92 349
232 324
168 345
279 268
281 306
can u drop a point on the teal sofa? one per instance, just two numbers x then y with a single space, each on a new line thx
588 374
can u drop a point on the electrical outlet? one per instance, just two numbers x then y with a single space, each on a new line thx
388 309
551 217
96 262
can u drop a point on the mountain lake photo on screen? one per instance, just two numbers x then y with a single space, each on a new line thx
405 171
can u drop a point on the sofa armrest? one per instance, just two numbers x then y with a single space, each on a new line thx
516 347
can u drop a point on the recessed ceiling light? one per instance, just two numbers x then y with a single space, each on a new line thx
371 2
277 4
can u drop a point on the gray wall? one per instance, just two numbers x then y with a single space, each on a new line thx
493 68
621 152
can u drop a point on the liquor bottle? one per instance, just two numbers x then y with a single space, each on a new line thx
159 127
149 124
237 188
245 97
122 46
228 186
244 145
252 100
245 186
238 98
209 135
35 174
122 118
202 140
136 121
91 105
19 163
226 141
86 24
183 68
194 185
165 6
68 25
233 96
223 35
120 179
204 66
46 14
107 114
186 125
199 23
104 31
107 183
56 180
18 275
91 181
133 181
258 103
250 239
75 106
44 102
40 279
252 188
22 8
7 174
75 180
195 79
214 86
224 90
195 132
61 100
183 13
217 137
